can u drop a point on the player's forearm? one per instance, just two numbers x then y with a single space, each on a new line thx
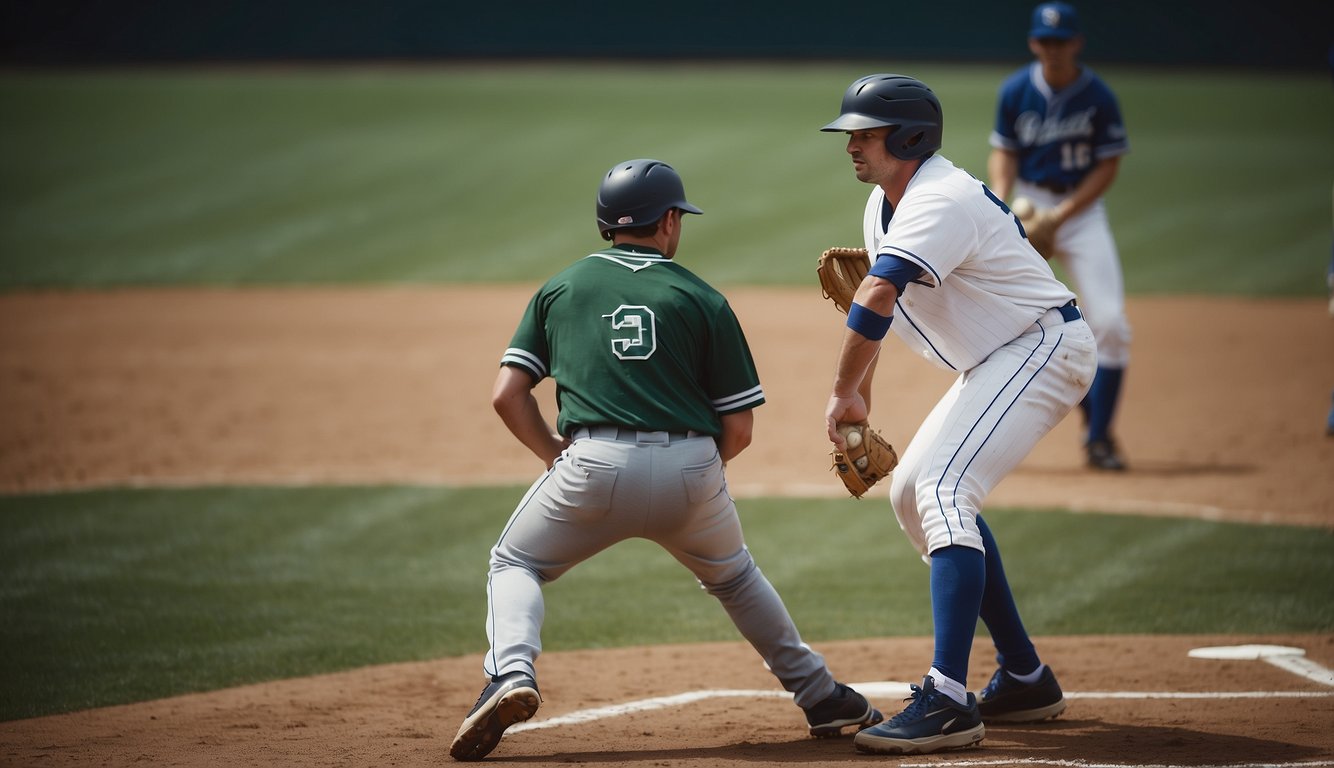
523 416
1002 170
864 389
737 431
512 398
854 363
846 405
859 353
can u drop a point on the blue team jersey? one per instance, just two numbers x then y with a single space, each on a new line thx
1058 136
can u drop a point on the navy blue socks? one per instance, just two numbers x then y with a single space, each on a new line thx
1014 649
958 575
1101 400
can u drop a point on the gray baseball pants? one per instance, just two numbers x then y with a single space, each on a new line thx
614 484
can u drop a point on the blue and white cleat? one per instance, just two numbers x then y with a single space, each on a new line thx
932 722
1008 700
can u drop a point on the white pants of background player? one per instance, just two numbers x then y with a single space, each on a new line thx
989 420
607 489
1087 252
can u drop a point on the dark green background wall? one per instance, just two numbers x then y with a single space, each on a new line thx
1289 34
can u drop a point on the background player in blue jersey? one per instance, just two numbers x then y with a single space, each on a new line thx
656 389
1058 141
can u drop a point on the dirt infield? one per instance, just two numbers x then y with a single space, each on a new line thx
1211 713
1223 418
1224 409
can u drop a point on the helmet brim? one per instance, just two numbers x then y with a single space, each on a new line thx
855 121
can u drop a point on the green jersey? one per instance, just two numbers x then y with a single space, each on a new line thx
635 340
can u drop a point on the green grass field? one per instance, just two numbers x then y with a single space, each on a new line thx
453 174
120 596
489 173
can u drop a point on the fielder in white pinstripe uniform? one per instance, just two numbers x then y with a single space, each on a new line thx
954 275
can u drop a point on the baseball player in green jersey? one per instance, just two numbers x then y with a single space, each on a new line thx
655 387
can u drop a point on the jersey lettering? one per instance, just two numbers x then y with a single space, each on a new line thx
1033 130
634 332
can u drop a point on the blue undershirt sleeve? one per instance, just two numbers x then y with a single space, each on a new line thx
896 270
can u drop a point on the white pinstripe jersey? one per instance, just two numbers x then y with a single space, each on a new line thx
982 284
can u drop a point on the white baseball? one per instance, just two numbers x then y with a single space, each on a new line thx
1022 207
854 438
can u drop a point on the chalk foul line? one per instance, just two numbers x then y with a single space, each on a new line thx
885 690
1290 659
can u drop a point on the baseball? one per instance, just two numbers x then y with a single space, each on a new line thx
854 438
1022 207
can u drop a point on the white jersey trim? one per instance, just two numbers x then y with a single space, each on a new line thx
632 263
738 401
525 359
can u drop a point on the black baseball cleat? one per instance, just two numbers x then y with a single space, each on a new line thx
506 700
844 707
1008 700
1102 454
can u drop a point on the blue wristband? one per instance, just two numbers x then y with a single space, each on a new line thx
869 324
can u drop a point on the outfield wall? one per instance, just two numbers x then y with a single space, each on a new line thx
1286 34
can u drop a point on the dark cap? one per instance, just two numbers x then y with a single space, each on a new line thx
1054 20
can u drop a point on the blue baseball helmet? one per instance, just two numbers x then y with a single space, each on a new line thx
639 192
901 102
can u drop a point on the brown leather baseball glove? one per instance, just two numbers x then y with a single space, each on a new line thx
868 459
841 271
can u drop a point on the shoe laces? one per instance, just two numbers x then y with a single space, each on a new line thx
480 697
486 691
993 687
921 701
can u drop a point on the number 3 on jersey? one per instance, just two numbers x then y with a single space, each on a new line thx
634 332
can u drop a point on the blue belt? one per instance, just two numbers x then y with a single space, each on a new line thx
1068 313
626 435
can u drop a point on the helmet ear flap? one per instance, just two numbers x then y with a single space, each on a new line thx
900 147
